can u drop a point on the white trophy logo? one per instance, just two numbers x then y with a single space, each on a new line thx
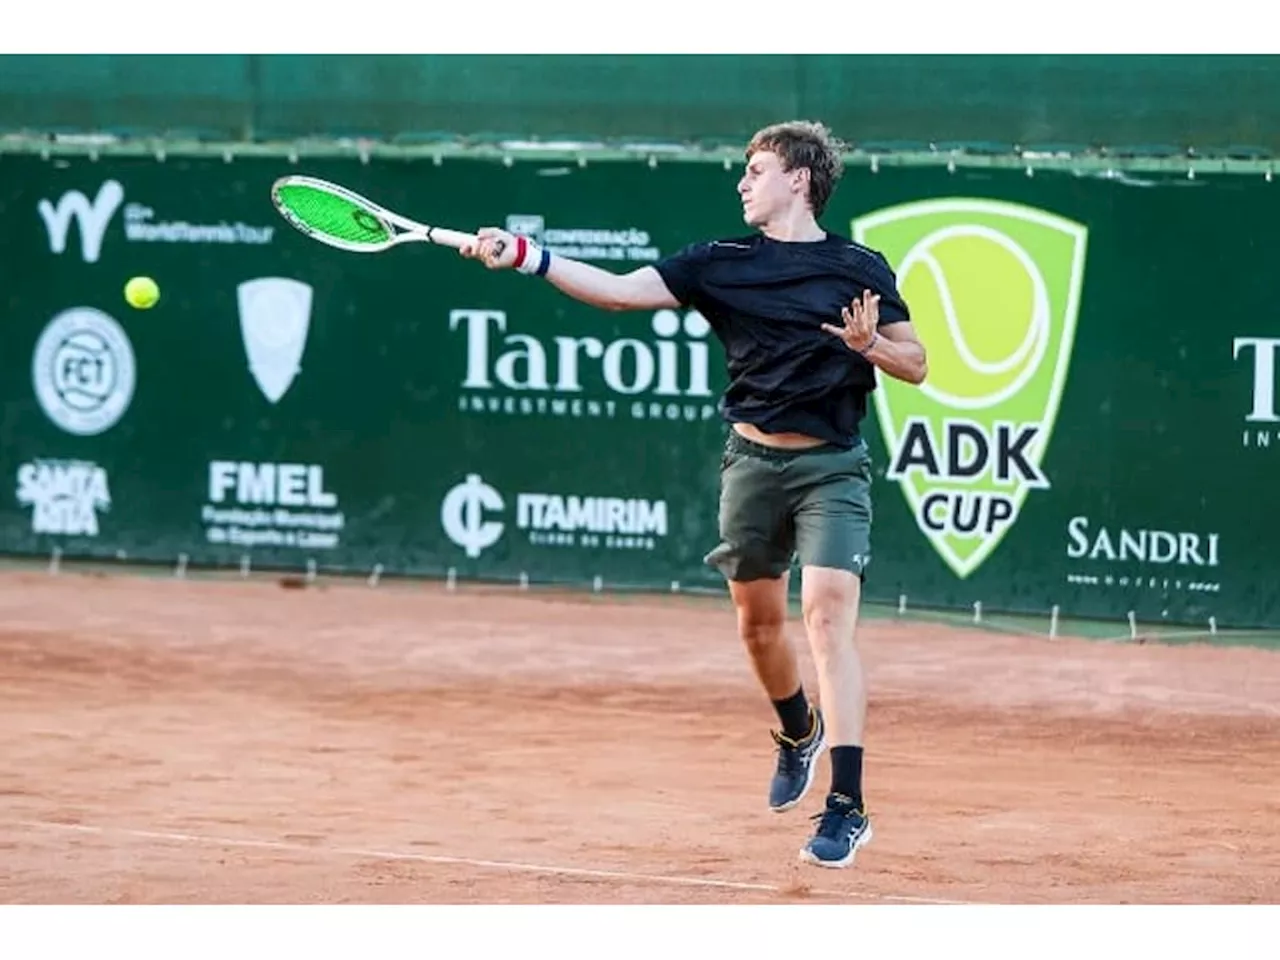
275 315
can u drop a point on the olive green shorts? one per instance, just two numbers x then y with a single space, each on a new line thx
780 505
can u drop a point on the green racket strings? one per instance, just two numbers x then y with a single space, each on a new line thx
332 215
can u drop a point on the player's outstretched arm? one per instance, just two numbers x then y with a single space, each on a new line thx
641 289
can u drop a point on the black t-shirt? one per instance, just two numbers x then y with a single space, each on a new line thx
766 300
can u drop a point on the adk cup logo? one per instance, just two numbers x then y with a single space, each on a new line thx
83 371
994 290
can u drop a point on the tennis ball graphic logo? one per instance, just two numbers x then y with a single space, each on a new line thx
984 311
994 291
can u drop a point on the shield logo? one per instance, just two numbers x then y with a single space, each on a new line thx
275 315
994 290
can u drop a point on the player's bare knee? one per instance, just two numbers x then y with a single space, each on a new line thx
760 630
822 622
829 607
762 611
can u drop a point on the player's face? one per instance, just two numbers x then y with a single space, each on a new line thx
768 191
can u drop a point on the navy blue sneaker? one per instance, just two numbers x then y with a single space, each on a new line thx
797 762
842 829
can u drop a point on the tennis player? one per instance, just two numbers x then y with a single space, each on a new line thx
805 317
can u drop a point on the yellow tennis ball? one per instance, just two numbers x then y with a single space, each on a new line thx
141 292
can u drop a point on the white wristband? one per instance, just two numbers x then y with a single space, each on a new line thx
531 258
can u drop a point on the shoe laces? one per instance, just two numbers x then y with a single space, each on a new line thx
836 819
789 754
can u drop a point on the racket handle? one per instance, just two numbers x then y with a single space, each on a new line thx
451 238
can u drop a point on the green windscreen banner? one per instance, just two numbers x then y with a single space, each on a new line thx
1152 103
1099 431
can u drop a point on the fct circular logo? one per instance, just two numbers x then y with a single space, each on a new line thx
83 371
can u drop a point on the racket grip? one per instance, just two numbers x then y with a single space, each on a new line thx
451 238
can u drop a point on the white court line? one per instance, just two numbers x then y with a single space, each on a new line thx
510 865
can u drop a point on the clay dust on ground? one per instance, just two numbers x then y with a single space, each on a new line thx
209 742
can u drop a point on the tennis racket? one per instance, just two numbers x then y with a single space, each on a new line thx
342 218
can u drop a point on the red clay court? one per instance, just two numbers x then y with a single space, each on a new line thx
221 741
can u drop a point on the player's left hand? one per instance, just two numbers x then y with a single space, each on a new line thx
861 318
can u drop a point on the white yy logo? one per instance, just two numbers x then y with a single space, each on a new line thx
93 218
275 315
462 515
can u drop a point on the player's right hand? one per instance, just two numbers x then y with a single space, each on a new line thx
495 248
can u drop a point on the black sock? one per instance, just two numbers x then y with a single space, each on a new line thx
846 773
794 714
